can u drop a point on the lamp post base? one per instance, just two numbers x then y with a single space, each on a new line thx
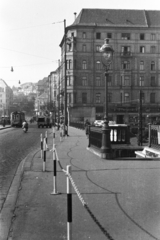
106 150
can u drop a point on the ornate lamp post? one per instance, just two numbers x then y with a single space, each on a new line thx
107 55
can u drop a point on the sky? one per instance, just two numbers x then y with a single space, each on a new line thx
31 31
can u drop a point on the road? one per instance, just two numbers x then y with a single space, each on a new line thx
15 145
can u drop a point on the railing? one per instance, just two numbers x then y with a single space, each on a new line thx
126 54
79 125
154 136
119 134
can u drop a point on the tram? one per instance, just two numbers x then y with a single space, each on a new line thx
17 119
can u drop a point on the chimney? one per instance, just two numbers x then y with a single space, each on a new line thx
75 15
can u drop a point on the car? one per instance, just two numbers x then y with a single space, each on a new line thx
98 123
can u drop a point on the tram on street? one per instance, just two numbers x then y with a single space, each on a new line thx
17 119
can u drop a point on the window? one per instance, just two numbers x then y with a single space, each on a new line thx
72 34
125 65
84 48
141 66
126 81
153 66
69 81
153 36
109 97
142 49
153 81
84 98
69 64
126 97
141 36
98 35
152 98
84 64
84 34
75 97
141 81
98 81
69 97
69 47
109 35
84 81
153 49
98 48
1 89
125 50
125 36
98 97
98 65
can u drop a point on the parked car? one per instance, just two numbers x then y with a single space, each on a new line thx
98 123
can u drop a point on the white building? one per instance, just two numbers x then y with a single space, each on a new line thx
6 98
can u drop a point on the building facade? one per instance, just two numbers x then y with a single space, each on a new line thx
135 37
6 98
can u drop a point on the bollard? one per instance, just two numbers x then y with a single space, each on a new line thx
61 134
54 171
44 155
46 136
41 140
54 135
69 205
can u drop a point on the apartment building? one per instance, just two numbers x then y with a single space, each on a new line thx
135 37
6 98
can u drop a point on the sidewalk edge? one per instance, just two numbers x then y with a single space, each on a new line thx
7 212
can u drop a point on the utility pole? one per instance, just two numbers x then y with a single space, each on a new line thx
58 99
65 85
140 120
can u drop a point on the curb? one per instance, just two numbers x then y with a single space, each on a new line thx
8 208
5 127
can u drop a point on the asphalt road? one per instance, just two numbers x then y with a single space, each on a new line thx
123 195
15 145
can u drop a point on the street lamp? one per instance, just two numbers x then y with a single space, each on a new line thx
107 55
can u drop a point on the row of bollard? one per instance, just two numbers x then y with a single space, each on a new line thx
70 184
44 148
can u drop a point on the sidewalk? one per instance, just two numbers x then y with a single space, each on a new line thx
6 126
120 195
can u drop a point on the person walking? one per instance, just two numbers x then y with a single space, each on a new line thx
87 124
4 122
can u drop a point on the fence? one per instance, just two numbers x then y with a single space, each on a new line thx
154 136
119 134
79 125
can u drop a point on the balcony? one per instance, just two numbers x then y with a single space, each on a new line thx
126 54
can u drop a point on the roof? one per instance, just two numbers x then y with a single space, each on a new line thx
43 81
118 17
43 95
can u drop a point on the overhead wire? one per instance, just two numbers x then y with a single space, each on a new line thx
29 53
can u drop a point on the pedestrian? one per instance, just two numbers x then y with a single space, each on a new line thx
87 124
25 125
4 122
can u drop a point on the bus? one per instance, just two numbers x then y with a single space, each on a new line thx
17 119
